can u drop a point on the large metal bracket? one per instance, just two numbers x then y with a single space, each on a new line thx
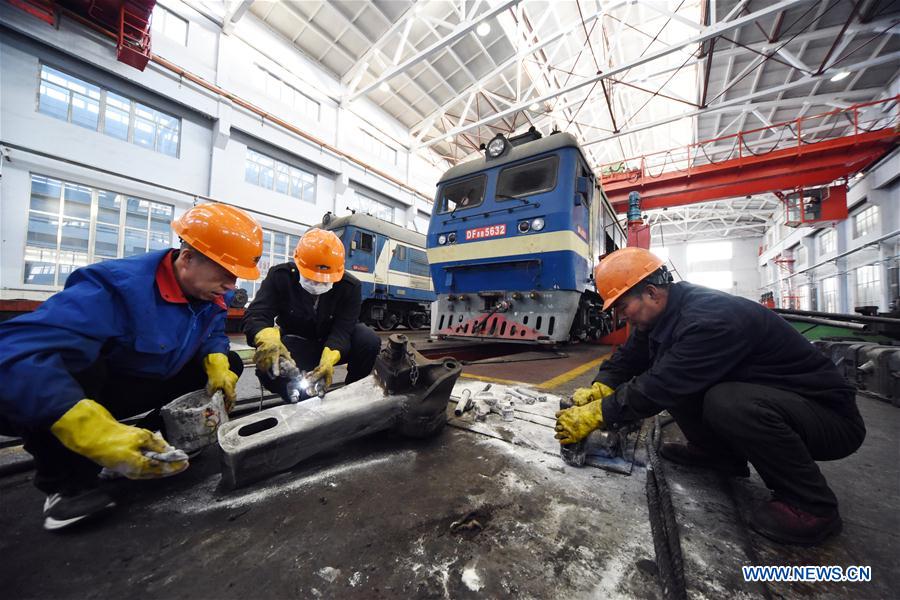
406 392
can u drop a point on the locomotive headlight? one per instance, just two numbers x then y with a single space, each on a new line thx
524 226
442 239
451 238
537 224
496 146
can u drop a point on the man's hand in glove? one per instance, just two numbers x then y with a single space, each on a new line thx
574 424
269 349
90 430
598 391
220 377
325 370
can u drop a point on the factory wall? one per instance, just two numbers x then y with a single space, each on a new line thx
726 264
215 139
852 263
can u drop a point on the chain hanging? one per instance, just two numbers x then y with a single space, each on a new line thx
414 368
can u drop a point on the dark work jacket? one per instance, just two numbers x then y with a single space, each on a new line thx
705 337
281 297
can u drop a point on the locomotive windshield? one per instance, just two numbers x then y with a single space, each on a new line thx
463 194
533 177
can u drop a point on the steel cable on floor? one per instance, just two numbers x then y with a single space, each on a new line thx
666 538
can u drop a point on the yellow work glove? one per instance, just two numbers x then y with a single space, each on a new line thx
269 349
574 424
91 431
325 370
220 377
598 391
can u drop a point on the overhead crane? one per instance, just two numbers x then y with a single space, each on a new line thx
674 177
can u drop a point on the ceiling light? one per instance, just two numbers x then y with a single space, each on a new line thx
841 75
534 107
384 87
483 28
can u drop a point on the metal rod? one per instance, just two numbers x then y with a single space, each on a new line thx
853 317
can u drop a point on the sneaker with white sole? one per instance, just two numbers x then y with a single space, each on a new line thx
63 510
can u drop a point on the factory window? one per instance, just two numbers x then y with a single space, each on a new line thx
718 280
276 89
76 101
360 203
167 23
419 223
830 295
800 256
708 251
868 286
72 225
278 248
462 195
803 298
70 99
827 242
865 222
377 148
662 252
534 177
280 177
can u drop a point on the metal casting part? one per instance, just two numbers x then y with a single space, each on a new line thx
406 392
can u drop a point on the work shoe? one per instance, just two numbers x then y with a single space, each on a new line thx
690 455
787 524
63 510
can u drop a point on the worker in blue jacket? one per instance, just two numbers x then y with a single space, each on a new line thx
122 338
740 382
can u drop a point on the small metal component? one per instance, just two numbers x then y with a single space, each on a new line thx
482 410
464 404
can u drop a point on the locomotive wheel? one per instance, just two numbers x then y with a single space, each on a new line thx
390 321
415 320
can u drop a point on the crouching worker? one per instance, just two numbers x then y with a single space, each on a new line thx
122 338
742 384
316 307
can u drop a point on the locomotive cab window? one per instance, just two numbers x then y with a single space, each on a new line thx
526 179
462 195
364 242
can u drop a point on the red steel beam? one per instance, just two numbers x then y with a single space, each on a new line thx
808 165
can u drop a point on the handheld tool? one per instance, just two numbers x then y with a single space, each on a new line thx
300 385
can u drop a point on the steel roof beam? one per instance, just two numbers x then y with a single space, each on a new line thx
887 58
461 30
706 34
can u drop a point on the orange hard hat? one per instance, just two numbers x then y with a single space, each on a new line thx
224 234
621 270
320 256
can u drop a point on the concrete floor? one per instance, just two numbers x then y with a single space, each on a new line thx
372 519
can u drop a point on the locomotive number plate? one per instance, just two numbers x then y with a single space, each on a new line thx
486 232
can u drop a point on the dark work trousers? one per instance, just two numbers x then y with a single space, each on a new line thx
781 433
364 347
58 469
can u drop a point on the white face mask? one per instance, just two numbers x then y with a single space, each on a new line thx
314 287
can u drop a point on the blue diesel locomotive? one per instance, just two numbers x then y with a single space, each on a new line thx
391 265
512 242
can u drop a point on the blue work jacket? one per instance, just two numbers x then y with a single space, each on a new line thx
705 337
112 311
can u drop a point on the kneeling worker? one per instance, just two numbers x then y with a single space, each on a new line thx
124 337
316 306
741 383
